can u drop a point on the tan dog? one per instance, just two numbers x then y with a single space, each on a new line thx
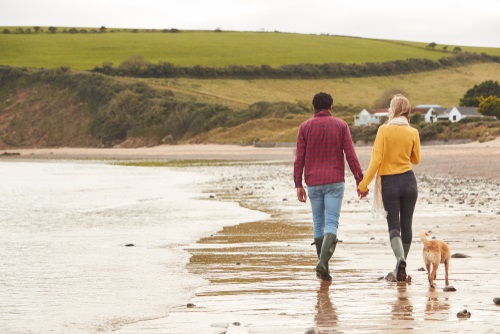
435 252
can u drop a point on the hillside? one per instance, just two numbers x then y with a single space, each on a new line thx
62 105
54 108
84 51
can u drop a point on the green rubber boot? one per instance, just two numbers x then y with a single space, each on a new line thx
397 248
327 249
319 243
406 248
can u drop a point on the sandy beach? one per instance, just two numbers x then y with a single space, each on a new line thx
259 275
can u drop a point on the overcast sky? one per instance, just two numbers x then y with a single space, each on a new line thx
445 22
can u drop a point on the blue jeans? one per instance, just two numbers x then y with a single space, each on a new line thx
326 201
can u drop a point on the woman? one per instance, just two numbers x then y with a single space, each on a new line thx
396 147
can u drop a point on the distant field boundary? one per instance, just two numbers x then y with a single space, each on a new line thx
140 68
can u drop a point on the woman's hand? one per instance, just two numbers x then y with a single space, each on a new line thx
362 194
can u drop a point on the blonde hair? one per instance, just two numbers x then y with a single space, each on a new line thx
400 106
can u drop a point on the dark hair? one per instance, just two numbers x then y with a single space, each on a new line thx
322 101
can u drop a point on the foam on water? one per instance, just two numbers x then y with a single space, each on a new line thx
63 231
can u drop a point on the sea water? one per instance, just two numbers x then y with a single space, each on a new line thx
87 247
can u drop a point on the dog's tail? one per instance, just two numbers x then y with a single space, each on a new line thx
423 236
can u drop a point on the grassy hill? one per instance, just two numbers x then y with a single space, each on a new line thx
84 51
58 106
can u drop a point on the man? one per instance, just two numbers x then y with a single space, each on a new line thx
322 142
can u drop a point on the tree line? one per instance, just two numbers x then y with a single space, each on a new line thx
137 66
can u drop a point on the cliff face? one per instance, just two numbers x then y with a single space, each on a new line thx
44 116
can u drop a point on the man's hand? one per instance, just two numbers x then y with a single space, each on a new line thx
301 194
362 194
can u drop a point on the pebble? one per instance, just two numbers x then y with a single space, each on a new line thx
190 305
236 323
449 288
421 269
463 314
496 300
237 263
459 256
129 245
212 196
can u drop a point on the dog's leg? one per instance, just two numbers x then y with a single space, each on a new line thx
446 267
428 267
435 266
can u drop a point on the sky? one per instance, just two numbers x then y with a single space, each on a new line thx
445 22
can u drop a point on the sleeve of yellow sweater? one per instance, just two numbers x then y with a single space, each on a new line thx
415 153
375 161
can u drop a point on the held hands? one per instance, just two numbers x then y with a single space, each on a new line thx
362 194
301 195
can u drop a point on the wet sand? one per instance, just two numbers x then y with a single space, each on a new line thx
260 275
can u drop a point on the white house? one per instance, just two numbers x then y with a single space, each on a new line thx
374 116
370 116
431 115
453 115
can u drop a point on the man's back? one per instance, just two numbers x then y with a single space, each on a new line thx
321 143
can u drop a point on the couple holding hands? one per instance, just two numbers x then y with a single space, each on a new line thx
322 143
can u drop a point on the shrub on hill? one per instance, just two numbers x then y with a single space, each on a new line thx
296 71
118 111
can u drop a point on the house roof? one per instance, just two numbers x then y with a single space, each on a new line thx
469 111
443 112
386 111
377 111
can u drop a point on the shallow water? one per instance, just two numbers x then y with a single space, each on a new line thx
63 231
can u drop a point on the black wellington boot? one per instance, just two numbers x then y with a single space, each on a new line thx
319 243
327 249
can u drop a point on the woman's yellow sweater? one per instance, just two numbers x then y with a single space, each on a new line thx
396 147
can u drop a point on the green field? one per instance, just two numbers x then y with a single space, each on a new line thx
445 87
188 48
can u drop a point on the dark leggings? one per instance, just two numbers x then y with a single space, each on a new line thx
399 193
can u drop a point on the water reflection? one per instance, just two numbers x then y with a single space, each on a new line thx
326 314
402 308
436 305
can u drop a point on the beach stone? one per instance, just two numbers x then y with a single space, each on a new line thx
311 331
421 269
190 305
284 200
237 263
236 323
496 300
449 288
212 196
459 256
464 314
129 245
